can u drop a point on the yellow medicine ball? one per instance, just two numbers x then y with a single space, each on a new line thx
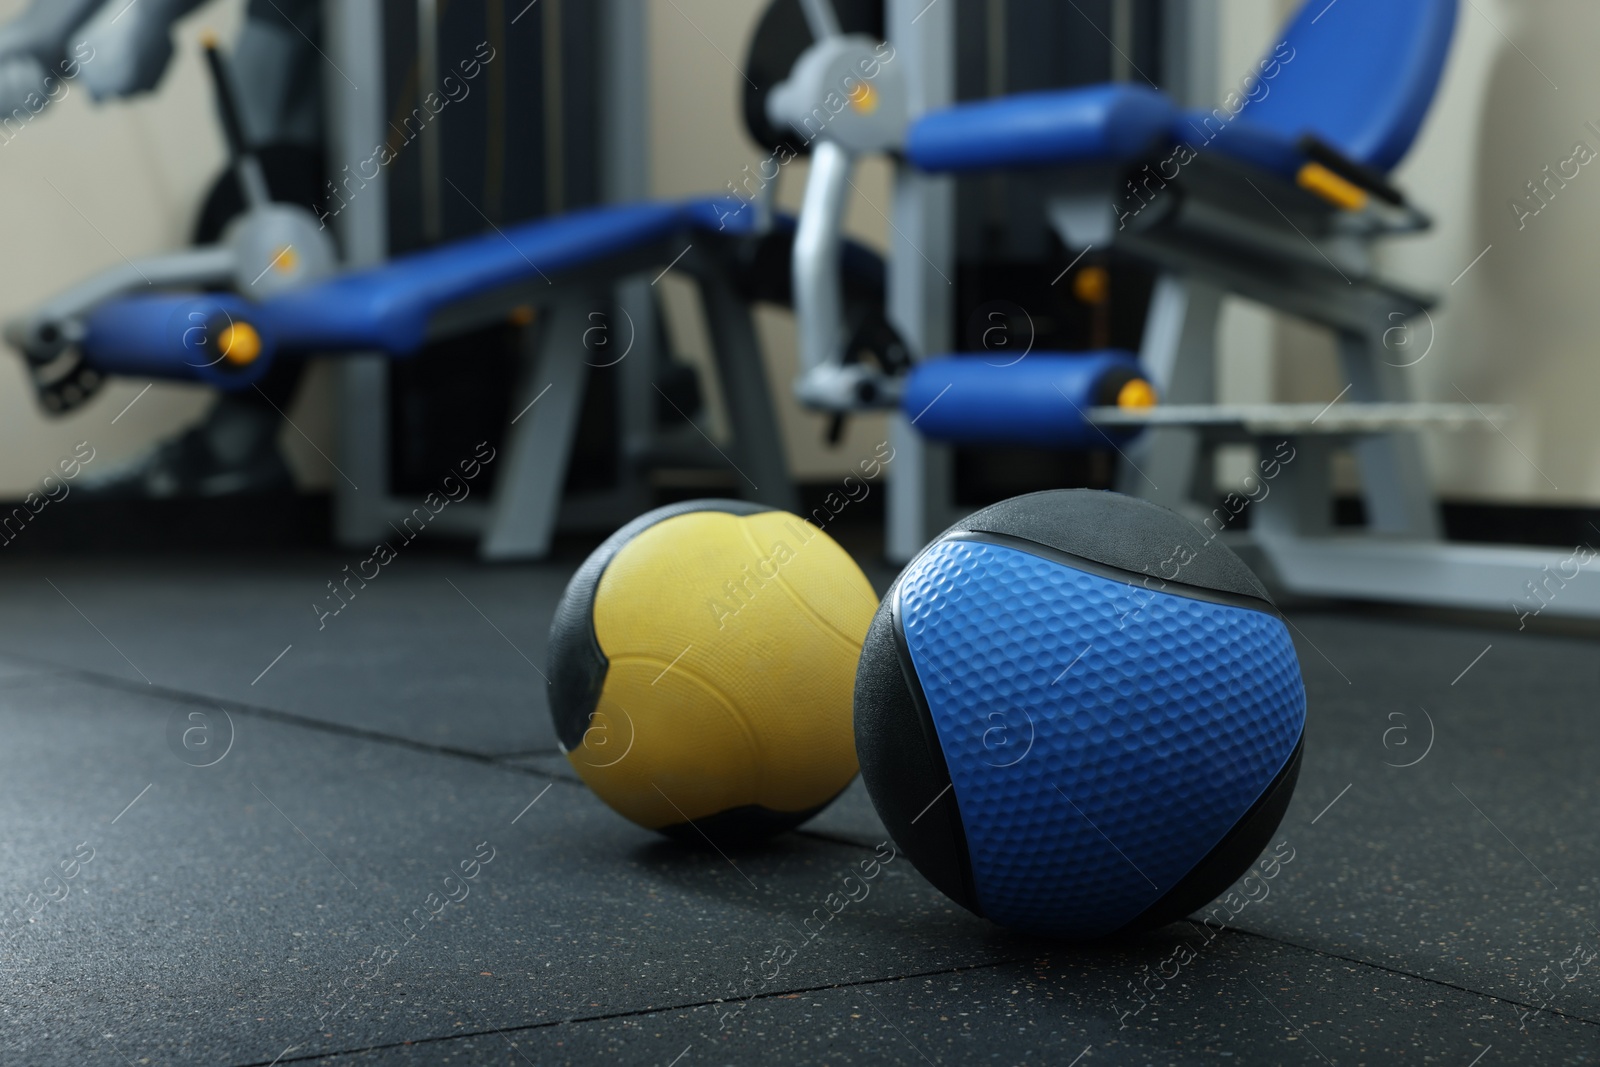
702 665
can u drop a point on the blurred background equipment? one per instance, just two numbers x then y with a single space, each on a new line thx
441 309
1277 195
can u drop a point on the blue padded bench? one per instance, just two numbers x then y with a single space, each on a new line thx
387 308
564 266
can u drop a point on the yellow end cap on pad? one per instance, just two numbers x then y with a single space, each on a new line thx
240 344
1137 393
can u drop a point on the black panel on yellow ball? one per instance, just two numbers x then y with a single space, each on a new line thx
701 668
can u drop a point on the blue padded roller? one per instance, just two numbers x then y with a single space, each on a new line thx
1039 400
174 336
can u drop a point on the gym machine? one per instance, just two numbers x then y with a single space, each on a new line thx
1280 201
276 293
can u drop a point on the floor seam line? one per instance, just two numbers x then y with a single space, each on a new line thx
1410 974
607 1016
287 718
776 993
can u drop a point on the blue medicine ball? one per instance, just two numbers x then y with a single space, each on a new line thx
1079 715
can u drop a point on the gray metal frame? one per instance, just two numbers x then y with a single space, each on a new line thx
355 122
920 496
521 518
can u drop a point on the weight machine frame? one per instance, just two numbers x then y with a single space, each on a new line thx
527 506
1401 557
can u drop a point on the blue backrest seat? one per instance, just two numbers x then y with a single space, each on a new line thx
1362 76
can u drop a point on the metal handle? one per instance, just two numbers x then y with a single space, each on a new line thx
822 19
818 242
872 120
240 152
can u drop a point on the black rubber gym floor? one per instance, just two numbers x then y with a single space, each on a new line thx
303 898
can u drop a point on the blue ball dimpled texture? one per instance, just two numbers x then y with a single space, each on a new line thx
1101 737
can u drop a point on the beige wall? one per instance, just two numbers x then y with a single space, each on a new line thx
1518 328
